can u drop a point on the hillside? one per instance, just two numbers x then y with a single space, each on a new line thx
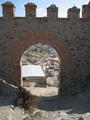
47 58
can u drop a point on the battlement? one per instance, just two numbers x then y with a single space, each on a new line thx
86 11
30 10
9 10
73 13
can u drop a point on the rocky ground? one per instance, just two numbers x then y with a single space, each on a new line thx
50 106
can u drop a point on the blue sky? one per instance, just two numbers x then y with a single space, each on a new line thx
43 4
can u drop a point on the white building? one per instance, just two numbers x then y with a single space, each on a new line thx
33 74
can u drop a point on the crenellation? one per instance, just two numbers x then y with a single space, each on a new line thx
52 12
8 9
30 11
86 11
73 13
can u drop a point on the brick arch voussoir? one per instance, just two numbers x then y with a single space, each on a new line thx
34 38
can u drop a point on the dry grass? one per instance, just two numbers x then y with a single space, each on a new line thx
26 100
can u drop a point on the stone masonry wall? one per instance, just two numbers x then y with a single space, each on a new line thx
69 37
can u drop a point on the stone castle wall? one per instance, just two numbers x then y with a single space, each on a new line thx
70 37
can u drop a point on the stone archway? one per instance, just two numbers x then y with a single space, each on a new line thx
29 39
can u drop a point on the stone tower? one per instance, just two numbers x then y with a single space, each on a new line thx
73 13
30 11
86 11
52 12
8 9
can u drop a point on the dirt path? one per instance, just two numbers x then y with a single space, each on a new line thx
47 91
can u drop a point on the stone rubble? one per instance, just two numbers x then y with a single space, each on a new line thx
76 107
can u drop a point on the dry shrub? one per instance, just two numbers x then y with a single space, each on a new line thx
26 100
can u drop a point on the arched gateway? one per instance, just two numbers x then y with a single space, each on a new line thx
70 37
34 38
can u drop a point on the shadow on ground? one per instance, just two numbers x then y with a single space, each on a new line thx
8 93
78 104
